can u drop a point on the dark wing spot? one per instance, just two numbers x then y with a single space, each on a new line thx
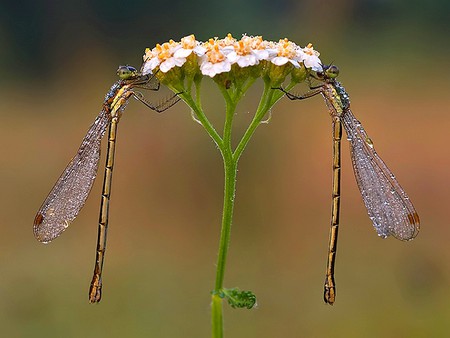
413 218
38 219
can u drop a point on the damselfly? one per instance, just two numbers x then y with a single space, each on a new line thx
388 206
70 192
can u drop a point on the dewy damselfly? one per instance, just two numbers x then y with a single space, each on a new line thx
70 192
388 205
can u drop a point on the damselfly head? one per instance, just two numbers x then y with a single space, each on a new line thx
126 72
329 72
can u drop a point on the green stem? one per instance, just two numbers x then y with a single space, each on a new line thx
202 118
230 170
230 160
232 89
268 99
216 311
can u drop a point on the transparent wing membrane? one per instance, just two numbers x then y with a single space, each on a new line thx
388 205
70 192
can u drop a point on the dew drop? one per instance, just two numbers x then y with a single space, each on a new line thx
369 142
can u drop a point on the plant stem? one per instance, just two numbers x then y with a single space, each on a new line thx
200 115
230 158
230 168
268 99
230 172
217 322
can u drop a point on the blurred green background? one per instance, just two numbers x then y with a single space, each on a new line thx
58 59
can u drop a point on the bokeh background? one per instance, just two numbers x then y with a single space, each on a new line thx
58 59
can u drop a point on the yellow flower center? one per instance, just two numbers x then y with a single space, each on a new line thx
213 51
242 47
286 48
164 51
309 49
188 42
258 43
228 41
247 44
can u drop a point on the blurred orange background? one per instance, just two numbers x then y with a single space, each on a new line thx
59 60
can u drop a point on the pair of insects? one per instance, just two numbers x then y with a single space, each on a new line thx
388 206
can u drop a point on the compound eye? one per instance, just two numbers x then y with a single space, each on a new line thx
332 71
126 72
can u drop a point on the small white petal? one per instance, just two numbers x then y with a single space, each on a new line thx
200 50
167 65
262 54
313 62
295 63
233 57
272 52
207 69
280 60
179 61
152 63
247 60
182 53
315 65
212 69
146 68
222 67
227 49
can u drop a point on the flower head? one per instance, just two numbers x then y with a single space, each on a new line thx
215 60
170 54
217 56
248 51
287 51
310 58
189 45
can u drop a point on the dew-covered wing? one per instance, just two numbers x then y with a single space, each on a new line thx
70 192
388 205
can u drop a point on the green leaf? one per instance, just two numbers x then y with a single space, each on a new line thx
238 298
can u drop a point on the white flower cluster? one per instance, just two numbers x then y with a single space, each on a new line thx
218 55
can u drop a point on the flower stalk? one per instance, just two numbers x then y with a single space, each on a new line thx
234 66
